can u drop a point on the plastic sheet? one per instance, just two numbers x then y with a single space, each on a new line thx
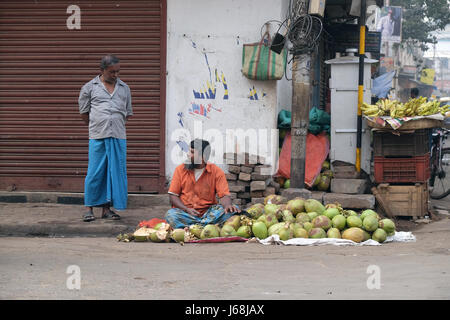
317 149
275 240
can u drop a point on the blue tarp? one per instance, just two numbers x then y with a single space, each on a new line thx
383 84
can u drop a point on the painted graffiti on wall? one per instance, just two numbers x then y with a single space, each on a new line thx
183 146
202 109
210 90
213 88
254 95
180 119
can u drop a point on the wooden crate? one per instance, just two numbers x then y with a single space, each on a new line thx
405 200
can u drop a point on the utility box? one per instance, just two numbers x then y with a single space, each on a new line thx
317 7
344 109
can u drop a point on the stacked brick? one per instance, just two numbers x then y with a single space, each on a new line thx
249 179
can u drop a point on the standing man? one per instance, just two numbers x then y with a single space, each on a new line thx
414 93
193 191
105 105
386 26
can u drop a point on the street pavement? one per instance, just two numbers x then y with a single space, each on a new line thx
64 220
52 219
51 243
99 268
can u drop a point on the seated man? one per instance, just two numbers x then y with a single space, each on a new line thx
193 191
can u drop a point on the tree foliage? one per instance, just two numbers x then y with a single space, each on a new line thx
422 17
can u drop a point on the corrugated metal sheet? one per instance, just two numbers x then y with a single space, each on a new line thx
43 64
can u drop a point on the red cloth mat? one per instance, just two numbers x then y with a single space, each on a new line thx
317 149
151 223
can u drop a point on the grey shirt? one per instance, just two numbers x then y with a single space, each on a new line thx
107 112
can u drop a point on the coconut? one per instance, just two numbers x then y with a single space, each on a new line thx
227 231
259 229
287 216
387 225
271 208
366 235
312 205
296 205
367 213
317 233
307 226
348 213
354 234
234 221
312 215
274 228
331 212
142 234
334 233
158 225
302 217
285 233
295 225
339 222
196 230
324 183
160 236
278 214
322 222
333 205
210 231
379 235
370 223
162 226
268 199
279 200
244 232
268 219
327 173
354 221
287 184
300 233
154 237
326 165
246 221
316 181
178 235
256 210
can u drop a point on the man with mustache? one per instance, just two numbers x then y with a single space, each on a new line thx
193 191
105 106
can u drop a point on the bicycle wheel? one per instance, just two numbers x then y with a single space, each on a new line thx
441 187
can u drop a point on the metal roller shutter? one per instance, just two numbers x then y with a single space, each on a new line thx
44 63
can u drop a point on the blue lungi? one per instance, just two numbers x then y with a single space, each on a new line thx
106 179
178 218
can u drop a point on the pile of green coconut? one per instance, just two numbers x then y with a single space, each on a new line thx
296 218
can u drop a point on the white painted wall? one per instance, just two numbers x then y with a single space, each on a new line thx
204 36
284 86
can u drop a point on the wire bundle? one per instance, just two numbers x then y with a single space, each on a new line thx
302 30
304 34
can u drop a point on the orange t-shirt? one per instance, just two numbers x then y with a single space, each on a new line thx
200 194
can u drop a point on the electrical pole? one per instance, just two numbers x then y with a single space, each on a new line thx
301 103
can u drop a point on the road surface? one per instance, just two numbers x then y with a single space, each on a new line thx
52 268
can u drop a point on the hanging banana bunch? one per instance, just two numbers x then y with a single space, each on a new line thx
395 109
